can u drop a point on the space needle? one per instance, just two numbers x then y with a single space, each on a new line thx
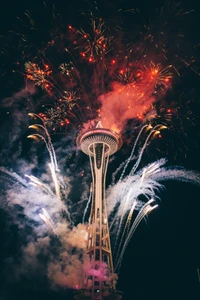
99 281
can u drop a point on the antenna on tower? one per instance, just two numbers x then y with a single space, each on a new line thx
99 125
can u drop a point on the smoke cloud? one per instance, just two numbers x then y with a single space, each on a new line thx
128 102
64 261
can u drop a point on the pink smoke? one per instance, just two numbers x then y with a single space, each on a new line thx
130 101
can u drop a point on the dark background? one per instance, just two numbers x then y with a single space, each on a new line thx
163 256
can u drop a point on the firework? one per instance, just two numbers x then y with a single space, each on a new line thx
116 68
47 219
125 74
89 71
39 76
124 197
124 204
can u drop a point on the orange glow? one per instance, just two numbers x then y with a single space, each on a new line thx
91 59
154 72
114 128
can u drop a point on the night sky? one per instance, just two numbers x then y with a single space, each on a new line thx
163 257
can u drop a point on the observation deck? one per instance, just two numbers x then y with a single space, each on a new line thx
109 138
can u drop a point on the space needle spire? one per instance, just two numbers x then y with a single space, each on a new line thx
99 281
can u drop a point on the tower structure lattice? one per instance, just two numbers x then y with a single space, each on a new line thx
99 280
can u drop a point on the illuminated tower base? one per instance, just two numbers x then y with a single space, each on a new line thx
100 280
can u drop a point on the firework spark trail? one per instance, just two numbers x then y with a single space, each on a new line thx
55 180
117 171
152 169
45 213
126 163
128 221
57 183
47 219
120 221
123 197
86 208
15 176
152 132
175 173
132 152
126 192
125 230
37 182
48 143
146 209
54 165
37 136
